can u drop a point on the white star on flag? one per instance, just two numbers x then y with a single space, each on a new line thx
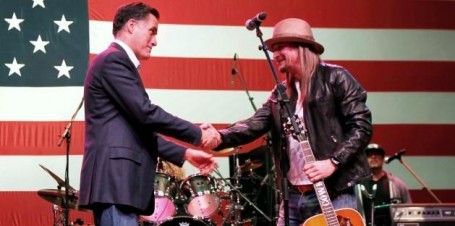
63 69
14 67
39 44
38 2
63 24
14 22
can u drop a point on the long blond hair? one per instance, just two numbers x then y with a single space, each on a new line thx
174 171
308 64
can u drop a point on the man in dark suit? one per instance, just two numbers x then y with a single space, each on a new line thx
122 140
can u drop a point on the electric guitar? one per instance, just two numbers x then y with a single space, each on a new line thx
329 216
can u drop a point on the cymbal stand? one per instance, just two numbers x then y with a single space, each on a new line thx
237 192
59 216
235 207
66 135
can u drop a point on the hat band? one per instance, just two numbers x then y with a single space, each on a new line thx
308 37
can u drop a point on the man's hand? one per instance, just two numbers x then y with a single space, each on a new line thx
202 160
211 138
319 170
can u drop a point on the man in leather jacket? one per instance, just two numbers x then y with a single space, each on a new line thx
331 105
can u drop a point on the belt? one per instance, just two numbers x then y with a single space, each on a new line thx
306 188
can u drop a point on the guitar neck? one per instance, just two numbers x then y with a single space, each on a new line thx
319 187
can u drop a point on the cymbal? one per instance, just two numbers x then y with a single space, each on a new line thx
61 183
223 153
261 150
58 197
250 165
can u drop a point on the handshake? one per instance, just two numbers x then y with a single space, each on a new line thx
211 138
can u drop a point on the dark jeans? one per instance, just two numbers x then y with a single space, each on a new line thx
113 215
302 207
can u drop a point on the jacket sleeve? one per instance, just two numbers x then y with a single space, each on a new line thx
171 151
124 86
246 131
356 116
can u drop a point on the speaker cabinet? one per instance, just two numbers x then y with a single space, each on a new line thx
423 214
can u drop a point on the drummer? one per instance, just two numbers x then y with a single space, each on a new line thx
177 173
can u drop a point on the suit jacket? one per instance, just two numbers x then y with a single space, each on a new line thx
121 135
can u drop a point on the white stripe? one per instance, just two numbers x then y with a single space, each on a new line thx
203 41
23 173
436 172
26 174
224 107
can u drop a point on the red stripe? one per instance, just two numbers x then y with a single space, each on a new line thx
422 196
407 76
28 208
215 74
424 140
41 138
356 14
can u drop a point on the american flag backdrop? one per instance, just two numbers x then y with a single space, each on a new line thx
402 52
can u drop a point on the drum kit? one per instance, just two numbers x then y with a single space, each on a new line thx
196 200
61 200
201 199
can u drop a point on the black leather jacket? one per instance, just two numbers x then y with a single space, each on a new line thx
337 120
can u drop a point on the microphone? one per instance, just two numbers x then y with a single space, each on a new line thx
396 156
254 22
234 69
234 64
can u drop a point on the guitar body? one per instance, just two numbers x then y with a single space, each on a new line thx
346 217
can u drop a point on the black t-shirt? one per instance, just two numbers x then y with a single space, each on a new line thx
381 202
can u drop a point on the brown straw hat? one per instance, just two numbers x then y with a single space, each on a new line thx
294 30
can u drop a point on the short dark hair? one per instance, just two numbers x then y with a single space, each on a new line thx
135 10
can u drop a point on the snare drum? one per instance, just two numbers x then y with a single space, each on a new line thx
165 191
202 196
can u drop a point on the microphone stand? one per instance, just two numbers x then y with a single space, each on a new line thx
371 197
267 139
283 99
66 135
425 186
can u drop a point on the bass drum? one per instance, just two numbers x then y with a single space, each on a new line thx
186 220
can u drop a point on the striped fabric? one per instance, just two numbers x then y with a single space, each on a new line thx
402 52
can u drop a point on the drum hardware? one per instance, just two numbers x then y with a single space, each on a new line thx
61 200
235 208
59 217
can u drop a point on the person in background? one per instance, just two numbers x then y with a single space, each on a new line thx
123 127
331 106
382 189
